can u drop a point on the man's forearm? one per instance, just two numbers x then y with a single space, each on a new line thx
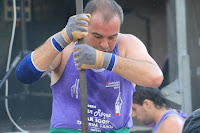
44 55
139 72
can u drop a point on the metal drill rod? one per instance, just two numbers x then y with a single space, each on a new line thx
83 80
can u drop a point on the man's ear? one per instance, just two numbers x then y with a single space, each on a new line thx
147 104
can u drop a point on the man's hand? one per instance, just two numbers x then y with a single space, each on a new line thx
86 57
75 29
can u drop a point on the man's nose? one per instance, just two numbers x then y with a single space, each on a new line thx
133 114
104 44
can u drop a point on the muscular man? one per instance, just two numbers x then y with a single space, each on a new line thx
150 106
113 60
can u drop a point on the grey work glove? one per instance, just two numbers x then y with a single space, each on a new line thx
75 29
86 57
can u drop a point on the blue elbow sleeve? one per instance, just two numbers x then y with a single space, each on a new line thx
26 72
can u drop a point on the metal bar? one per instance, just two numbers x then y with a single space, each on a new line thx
23 26
83 81
79 6
13 65
23 33
83 93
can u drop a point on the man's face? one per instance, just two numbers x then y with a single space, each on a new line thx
102 35
141 113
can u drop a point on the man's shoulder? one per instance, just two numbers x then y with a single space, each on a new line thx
173 119
125 41
172 124
129 39
123 36
129 42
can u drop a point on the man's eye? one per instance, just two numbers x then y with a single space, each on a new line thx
98 36
112 38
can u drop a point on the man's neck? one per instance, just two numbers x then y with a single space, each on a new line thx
158 113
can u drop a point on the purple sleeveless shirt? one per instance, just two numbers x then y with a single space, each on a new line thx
181 115
109 99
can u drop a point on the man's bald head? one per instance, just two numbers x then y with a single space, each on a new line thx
107 8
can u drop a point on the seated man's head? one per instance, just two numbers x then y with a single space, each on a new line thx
146 102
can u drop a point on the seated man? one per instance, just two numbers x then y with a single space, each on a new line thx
150 106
